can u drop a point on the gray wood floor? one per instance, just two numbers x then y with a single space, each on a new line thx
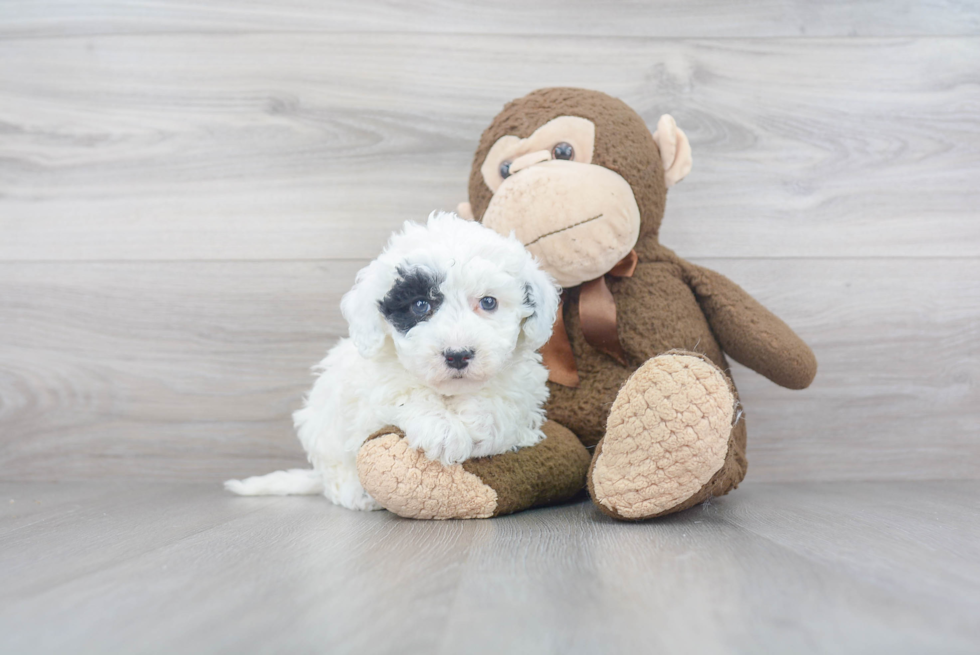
774 568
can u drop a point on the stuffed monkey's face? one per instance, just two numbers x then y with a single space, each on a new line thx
578 218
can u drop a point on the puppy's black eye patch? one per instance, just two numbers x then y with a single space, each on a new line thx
413 298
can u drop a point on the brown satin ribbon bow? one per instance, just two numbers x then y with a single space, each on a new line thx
597 315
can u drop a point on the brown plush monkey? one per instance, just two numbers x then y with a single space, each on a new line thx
637 359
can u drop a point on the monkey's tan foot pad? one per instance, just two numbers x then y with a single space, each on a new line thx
405 482
668 434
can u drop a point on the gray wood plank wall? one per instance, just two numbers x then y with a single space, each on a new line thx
186 189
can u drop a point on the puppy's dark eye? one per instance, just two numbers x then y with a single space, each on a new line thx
421 307
505 170
563 151
488 304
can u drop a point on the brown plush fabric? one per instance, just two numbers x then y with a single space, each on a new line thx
667 304
550 472
403 481
388 429
748 332
656 312
622 144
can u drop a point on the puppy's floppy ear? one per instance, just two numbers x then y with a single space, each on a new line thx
359 306
541 296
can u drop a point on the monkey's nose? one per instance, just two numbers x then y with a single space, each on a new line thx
458 359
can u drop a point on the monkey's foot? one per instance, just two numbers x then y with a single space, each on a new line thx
405 482
669 442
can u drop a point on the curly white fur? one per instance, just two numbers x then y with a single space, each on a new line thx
389 373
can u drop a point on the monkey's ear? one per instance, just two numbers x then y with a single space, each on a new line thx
464 210
675 150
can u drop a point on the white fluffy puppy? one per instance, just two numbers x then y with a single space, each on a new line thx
444 329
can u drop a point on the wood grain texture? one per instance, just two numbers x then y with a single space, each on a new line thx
186 189
190 370
662 19
802 568
300 146
123 369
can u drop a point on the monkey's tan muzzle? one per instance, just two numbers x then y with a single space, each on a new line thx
578 219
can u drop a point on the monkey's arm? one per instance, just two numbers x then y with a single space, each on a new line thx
749 332
407 483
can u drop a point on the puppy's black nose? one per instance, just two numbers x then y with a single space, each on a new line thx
458 359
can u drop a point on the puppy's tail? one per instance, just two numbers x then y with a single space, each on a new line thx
294 482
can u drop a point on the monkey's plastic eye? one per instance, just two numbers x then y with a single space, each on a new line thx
421 307
488 303
505 170
563 151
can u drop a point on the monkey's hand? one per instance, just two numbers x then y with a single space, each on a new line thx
749 332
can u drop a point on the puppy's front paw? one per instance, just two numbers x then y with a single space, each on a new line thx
441 441
405 481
